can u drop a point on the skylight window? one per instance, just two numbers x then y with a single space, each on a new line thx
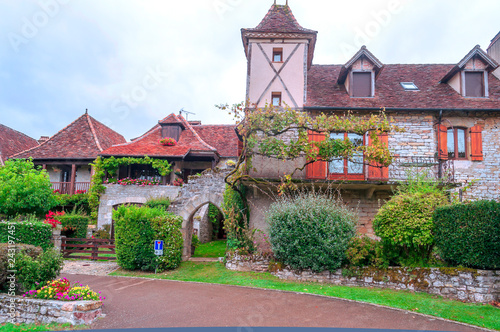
409 86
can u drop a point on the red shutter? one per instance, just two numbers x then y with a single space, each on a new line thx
240 147
375 172
317 169
442 142
476 143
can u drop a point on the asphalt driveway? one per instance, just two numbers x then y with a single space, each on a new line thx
149 303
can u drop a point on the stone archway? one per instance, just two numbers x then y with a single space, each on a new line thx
206 188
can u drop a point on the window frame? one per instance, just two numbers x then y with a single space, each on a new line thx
278 51
372 83
346 175
484 83
276 95
455 143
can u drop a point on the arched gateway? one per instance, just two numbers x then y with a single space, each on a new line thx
206 188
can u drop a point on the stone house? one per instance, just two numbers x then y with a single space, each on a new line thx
67 155
450 113
12 142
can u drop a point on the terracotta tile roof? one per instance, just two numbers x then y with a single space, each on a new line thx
323 90
148 144
84 138
172 118
280 19
222 137
12 142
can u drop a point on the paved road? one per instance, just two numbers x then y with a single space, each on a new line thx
148 303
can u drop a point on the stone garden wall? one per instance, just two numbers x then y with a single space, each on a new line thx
456 283
17 309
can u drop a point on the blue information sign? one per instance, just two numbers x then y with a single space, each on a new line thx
158 245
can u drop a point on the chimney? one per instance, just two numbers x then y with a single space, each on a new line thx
494 52
43 139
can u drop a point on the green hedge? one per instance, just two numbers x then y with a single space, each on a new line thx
75 225
311 231
136 228
32 265
69 203
158 203
469 234
35 233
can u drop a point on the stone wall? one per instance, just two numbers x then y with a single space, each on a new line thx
117 194
17 309
455 283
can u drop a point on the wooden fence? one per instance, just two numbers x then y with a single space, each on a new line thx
95 249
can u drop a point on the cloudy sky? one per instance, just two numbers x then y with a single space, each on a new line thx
133 62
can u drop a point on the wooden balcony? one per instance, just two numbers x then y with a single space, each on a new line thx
67 188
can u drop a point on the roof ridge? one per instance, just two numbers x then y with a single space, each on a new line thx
195 133
50 138
92 129
17 131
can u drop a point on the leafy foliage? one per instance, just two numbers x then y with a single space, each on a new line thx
159 203
310 231
236 216
24 189
70 203
363 251
74 225
406 228
111 166
469 234
135 232
31 231
6 259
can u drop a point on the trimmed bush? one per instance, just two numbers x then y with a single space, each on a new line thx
32 265
74 225
35 233
405 226
24 189
310 231
135 231
469 234
161 203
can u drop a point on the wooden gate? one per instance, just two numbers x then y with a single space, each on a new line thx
94 249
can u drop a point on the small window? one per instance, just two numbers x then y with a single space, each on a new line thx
474 84
276 99
456 143
409 86
343 168
277 55
361 84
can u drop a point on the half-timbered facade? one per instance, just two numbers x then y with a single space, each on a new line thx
450 113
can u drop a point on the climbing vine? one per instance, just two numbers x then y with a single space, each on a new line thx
110 166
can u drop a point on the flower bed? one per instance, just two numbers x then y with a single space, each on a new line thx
61 290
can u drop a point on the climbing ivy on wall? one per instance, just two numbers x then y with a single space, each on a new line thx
111 166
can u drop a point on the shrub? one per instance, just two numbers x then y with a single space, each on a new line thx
135 231
73 203
405 226
236 217
24 189
469 234
30 231
34 266
310 231
103 233
7 258
74 225
363 251
161 203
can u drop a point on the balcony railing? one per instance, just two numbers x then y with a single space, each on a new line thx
65 187
405 166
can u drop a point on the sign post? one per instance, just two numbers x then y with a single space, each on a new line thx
158 249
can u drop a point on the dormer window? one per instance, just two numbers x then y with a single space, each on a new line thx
277 55
361 84
474 84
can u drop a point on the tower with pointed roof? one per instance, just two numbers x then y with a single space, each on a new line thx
279 53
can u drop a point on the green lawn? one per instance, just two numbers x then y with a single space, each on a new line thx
8 327
211 249
214 272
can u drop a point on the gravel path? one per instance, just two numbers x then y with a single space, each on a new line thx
88 267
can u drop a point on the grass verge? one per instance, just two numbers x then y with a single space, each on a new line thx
8 327
214 272
211 249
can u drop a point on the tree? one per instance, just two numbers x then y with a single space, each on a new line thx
24 189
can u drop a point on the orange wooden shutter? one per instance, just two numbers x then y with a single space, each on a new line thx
476 143
240 147
317 169
375 172
442 142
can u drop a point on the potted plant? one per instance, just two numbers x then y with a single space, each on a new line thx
168 141
195 242
178 172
